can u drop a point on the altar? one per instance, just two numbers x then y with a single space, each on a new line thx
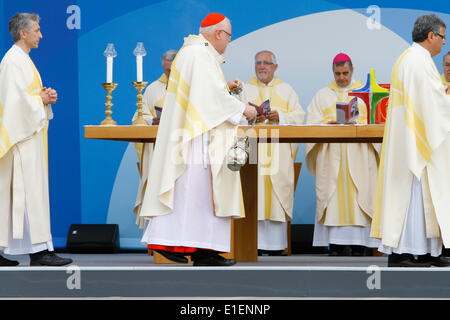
244 231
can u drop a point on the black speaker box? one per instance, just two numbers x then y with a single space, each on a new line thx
93 238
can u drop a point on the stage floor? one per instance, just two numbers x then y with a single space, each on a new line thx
134 275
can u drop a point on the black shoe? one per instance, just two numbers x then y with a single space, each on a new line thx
47 258
339 250
358 251
440 261
173 256
405 260
277 253
271 253
205 258
7 263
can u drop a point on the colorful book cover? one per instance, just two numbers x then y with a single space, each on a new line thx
158 111
263 109
347 112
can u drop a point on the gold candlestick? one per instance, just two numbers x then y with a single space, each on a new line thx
109 87
140 86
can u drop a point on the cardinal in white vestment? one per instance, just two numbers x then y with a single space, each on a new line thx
412 204
153 101
24 114
191 195
276 161
345 173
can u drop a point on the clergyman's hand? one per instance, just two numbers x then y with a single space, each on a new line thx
250 113
49 96
273 116
53 95
233 84
44 96
260 118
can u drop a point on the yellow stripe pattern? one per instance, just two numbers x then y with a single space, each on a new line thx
345 191
398 97
401 98
194 123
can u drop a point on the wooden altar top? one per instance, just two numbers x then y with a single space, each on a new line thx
303 133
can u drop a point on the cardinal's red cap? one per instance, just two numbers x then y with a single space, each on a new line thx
212 19
341 57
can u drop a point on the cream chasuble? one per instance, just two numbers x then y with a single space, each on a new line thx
23 151
276 161
197 104
345 173
154 96
416 144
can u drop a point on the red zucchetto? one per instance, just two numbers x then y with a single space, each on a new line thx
212 19
341 57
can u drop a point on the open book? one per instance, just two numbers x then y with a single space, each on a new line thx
158 111
263 109
346 112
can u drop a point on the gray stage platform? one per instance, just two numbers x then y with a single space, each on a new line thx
298 276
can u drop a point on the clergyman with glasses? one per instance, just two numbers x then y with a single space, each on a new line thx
411 206
275 161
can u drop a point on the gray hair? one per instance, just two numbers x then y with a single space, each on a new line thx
214 28
426 24
272 55
169 55
21 21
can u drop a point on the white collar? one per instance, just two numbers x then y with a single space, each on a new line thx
417 47
19 49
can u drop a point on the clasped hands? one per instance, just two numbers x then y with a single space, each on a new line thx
48 95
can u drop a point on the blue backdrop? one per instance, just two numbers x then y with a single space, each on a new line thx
96 181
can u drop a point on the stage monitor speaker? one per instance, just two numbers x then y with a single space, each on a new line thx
93 238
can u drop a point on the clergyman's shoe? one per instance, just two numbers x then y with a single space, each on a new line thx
405 260
272 253
7 263
47 258
205 258
339 250
358 251
173 256
439 261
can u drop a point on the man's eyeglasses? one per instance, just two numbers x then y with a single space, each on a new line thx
229 34
440 35
266 63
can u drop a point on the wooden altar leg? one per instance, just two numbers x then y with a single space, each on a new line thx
244 241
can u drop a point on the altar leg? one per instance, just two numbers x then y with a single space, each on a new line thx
244 238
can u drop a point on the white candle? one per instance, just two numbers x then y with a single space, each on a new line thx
109 69
139 68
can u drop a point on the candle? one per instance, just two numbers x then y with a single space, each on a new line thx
110 53
139 68
139 52
109 69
